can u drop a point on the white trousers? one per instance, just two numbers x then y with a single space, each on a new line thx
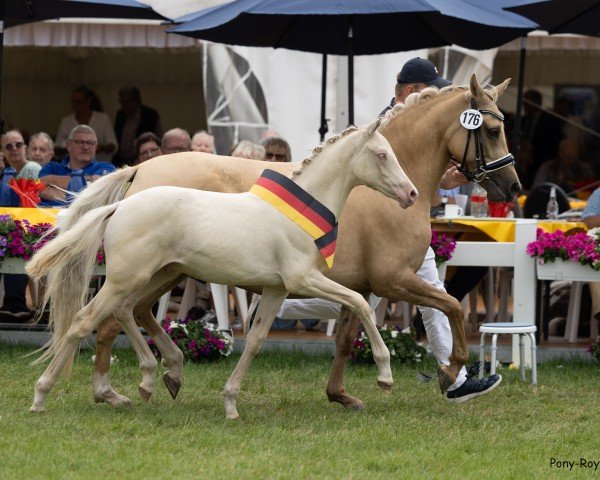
435 322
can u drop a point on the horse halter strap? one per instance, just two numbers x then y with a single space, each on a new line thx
483 168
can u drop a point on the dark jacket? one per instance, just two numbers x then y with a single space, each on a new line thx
149 122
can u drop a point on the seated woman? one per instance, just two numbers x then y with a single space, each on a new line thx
147 146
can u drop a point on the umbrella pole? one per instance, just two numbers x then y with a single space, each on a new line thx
350 73
2 13
323 129
517 130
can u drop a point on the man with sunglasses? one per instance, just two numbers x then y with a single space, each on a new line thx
13 150
81 148
276 150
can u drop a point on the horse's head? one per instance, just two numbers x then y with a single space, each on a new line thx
376 165
477 142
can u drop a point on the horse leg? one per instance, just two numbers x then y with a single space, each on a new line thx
172 357
85 321
106 333
344 339
317 285
413 289
269 304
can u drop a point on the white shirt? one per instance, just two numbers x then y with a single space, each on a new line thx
100 123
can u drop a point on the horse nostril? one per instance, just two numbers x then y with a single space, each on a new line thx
413 195
515 188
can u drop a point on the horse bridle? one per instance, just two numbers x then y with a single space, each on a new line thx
481 172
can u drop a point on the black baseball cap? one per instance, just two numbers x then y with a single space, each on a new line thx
419 70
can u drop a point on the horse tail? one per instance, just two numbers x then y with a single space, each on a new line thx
68 263
105 191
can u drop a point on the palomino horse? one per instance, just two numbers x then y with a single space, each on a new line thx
239 239
380 247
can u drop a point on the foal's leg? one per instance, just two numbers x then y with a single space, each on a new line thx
317 285
267 308
85 321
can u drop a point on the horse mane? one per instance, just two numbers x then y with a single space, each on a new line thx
426 95
322 146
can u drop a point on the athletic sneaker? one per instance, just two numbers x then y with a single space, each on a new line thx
473 388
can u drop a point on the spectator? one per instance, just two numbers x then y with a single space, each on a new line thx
566 170
81 146
131 121
88 111
276 150
40 148
541 131
247 149
147 146
13 150
203 141
14 308
176 140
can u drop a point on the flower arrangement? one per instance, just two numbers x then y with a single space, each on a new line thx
402 346
443 246
197 339
580 247
20 239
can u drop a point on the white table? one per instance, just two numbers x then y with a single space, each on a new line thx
507 254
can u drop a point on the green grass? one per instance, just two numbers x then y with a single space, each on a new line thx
289 430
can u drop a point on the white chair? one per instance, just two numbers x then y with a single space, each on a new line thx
499 328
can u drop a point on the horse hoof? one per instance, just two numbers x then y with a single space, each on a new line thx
172 385
114 400
36 409
445 380
347 401
145 394
386 387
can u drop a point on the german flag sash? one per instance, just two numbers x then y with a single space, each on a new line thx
301 208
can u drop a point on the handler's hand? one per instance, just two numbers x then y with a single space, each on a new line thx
452 178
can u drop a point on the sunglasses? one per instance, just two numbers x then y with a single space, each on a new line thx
87 143
14 146
280 157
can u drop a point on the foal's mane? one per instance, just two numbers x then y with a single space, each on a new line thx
318 149
426 95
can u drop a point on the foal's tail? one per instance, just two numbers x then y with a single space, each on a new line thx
105 191
68 262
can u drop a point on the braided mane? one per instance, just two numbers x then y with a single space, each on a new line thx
318 149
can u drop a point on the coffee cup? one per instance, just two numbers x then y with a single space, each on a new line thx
452 211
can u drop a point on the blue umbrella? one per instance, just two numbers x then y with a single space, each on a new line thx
18 12
355 27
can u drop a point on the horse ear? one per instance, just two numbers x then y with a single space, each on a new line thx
373 126
477 92
500 88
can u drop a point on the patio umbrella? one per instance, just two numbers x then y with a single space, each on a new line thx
555 16
18 12
354 27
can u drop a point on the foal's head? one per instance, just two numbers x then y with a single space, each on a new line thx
375 165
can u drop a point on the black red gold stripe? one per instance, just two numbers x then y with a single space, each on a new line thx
300 207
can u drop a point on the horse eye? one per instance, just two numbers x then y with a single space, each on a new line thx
493 132
382 155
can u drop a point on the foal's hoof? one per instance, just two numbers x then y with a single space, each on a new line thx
386 387
145 394
36 409
113 399
445 380
172 385
347 401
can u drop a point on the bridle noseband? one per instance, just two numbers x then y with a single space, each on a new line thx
481 172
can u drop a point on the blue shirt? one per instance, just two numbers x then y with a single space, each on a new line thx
62 168
592 207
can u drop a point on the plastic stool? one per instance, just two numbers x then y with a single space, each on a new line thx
521 329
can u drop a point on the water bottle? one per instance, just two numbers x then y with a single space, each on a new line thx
8 197
479 202
552 206
77 184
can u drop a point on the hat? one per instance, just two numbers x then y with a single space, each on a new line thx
419 70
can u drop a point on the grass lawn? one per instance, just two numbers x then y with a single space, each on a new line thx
289 430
